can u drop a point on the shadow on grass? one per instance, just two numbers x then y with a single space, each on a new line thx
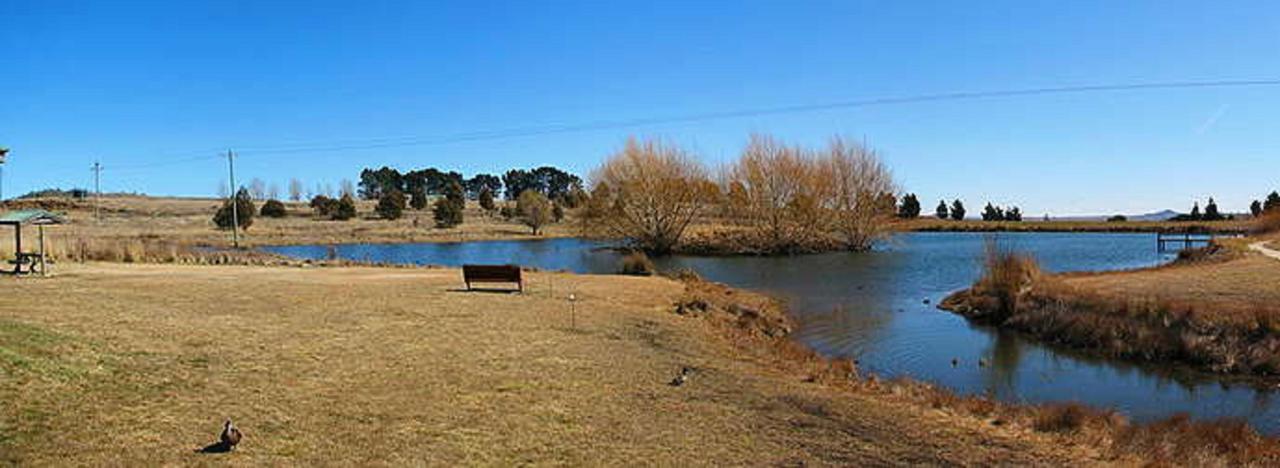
485 290
216 447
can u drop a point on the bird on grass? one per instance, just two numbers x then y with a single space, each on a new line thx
230 436
682 377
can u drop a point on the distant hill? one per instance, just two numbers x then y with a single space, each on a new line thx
1163 215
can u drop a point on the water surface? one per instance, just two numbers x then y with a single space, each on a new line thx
872 307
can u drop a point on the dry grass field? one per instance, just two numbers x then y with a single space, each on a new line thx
139 364
188 221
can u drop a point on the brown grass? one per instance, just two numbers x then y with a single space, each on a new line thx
188 222
138 365
1217 310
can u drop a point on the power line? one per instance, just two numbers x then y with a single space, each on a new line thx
625 123
498 134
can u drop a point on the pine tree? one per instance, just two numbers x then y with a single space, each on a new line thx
1272 203
1255 208
957 210
941 212
1195 212
1211 211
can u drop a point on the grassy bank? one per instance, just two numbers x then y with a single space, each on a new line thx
1216 311
139 364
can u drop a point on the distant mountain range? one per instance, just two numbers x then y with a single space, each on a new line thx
1163 215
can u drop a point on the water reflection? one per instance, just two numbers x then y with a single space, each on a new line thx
872 307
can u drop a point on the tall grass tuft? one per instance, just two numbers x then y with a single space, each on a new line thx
1007 275
1267 223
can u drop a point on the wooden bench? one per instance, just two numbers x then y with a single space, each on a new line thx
492 274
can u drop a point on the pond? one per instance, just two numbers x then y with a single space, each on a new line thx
871 306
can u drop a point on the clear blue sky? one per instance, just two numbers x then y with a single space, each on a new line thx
139 83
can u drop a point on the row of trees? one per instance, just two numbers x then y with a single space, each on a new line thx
1210 213
418 184
785 197
996 213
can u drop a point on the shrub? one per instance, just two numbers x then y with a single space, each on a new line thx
557 212
1268 223
391 204
637 264
344 209
446 213
508 212
1117 219
273 209
323 206
243 212
535 210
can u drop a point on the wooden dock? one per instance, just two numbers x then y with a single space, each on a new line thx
1170 241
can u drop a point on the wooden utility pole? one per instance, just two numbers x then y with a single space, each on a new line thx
97 191
235 212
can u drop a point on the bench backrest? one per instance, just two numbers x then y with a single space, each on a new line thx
491 273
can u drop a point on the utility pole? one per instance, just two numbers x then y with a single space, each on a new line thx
235 212
97 191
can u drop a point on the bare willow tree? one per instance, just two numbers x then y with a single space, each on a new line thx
648 194
860 184
781 193
295 189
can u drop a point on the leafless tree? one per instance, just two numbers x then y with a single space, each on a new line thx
781 193
295 189
348 188
860 182
647 193
257 189
273 192
223 190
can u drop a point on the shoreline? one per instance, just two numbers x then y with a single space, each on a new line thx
1233 341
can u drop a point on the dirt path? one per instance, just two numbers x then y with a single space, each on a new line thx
1261 247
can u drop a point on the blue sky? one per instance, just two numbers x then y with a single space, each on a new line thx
155 89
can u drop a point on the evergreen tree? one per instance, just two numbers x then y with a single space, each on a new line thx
244 211
1014 214
446 213
1255 208
1195 212
992 213
957 210
910 207
941 211
1211 211
418 197
391 204
486 199
1272 203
